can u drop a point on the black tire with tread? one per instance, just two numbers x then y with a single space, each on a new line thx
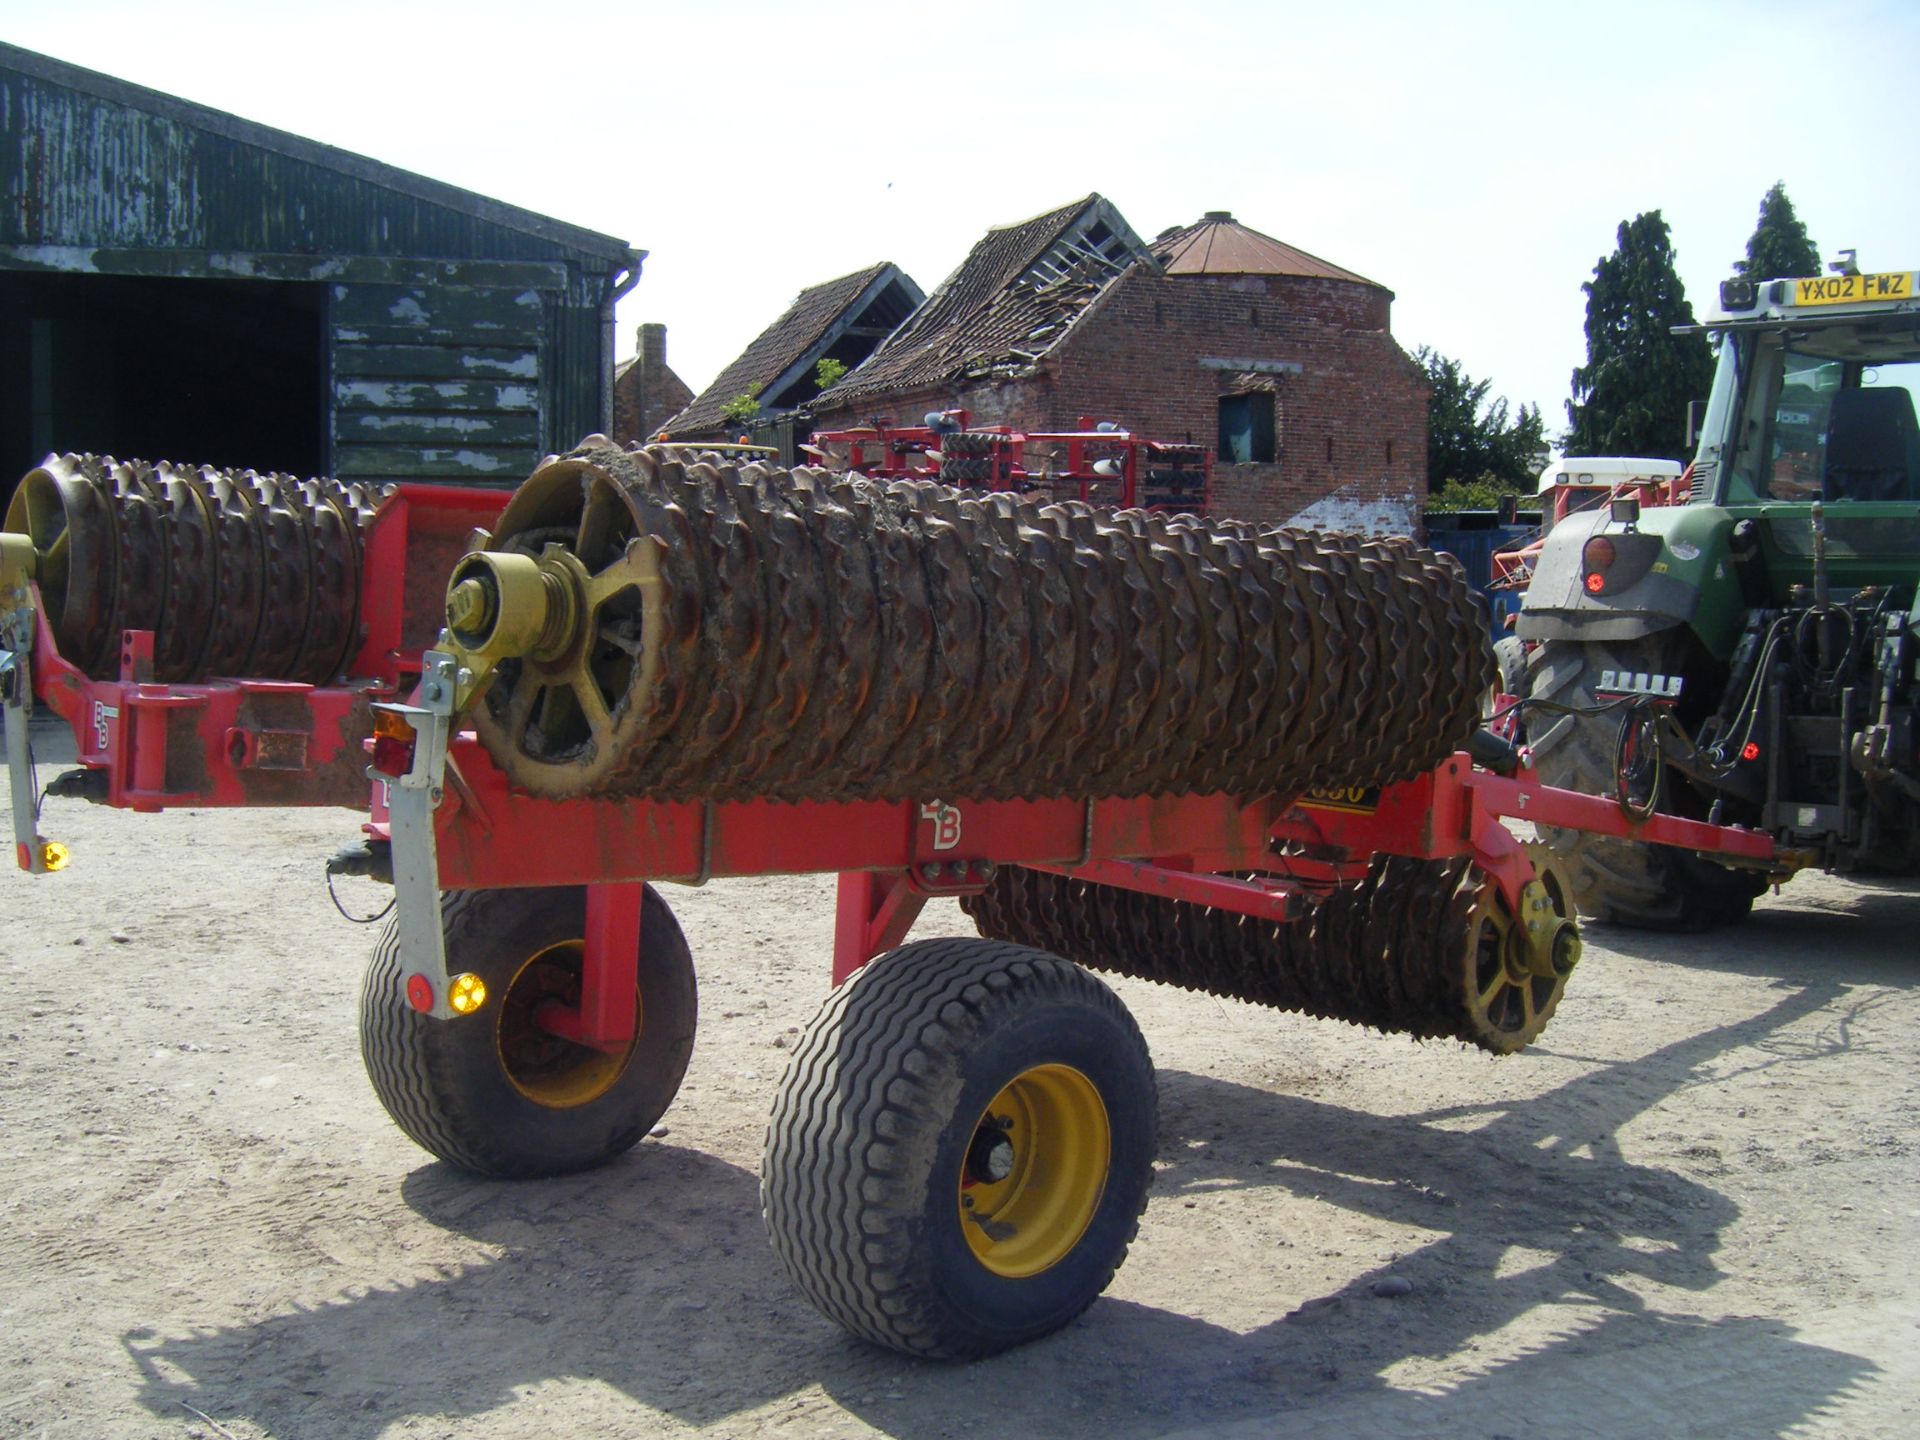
1649 887
871 1124
1510 660
444 1082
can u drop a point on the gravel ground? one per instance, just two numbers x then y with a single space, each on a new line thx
1690 1211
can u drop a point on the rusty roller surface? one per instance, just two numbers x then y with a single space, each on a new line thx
718 631
1420 947
235 573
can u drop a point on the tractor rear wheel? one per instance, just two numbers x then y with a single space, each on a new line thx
492 1092
960 1148
1650 887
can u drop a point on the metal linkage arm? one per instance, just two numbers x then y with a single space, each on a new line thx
412 797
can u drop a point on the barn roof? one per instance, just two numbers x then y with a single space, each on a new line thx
1220 245
789 348
1013 299
176 114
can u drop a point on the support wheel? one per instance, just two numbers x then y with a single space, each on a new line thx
492 1092
1652 887
960 1148
1515 967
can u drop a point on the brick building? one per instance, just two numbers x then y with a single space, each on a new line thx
646 392
841 319
1213 333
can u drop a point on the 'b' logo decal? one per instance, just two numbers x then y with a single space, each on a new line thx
946 824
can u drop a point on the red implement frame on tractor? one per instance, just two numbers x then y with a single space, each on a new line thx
148 745
461 826
454 823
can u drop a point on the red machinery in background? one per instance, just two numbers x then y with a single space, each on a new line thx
1099 463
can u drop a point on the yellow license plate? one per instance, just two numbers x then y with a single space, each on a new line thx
1848 289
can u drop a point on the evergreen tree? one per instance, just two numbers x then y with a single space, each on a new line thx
1779 245
1630 398
1469 439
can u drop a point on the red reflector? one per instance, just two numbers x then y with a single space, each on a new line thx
393 742
24 854
1750 750
1598 554
419 993
1596 583
392 757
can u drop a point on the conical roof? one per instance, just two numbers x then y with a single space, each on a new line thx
1220 245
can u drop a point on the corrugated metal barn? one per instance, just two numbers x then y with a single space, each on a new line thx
178 283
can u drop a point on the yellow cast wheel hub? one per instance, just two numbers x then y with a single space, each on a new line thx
1035 1170
1516 968
545 1068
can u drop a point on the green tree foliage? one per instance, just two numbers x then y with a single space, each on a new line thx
1779 245
1470 440
828 372
741 409
1457 495
1630 398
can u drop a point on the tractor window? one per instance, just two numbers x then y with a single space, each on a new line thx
1830 413
1797 455
1873 439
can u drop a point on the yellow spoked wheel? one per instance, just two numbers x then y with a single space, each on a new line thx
543 1067
1515 967
565 606
960 1149
1034 1171
493 1091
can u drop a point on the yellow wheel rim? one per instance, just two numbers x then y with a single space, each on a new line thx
1035 1169
1508 998
546 1069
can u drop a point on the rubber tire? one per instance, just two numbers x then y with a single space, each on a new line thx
1510 659
443 1081
1649 887
1510 665
871 1125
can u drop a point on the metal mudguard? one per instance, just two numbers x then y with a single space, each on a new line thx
1559 607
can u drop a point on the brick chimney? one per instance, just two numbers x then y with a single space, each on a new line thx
652 347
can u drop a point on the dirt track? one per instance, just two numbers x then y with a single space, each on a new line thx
1690 1212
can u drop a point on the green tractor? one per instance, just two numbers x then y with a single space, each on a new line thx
1749 657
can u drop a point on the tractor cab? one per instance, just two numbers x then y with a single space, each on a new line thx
1815 396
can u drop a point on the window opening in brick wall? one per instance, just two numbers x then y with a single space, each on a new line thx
1389 452
1246 429
1329 449
1253 316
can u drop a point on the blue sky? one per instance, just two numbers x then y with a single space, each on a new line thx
1474 158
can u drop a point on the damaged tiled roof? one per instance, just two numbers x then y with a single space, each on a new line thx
1221 245
1012 299
812 314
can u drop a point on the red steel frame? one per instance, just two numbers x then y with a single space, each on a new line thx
208 745
892 857
271 742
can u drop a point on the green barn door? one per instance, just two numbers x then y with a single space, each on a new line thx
437 382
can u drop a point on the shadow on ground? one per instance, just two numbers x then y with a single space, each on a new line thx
652 1277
